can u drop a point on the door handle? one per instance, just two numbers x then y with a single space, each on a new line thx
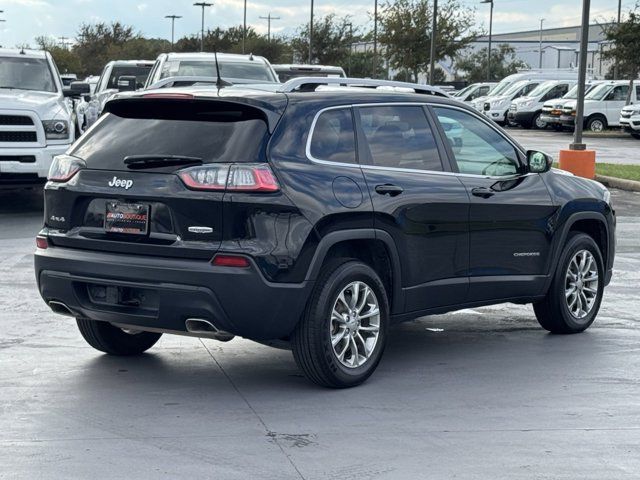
388 189
482 192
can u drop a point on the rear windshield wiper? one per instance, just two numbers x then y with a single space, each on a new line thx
139 162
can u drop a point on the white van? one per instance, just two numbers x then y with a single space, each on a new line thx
630 120
497 107
526 111
36 121
541 75
473 91
602 105
552 110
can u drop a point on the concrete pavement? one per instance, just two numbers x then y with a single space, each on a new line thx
482 393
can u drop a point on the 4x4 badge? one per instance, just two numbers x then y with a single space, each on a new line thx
117 182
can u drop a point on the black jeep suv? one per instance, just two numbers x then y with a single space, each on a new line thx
313 218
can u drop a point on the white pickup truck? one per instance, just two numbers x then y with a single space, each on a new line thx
36 121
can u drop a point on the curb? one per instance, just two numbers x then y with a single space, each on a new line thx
619 183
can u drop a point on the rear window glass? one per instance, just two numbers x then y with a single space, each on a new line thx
333 137
207 68
212 131
141 72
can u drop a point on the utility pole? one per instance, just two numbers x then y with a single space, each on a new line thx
244 27
490 38
434 33
616 67
268 18
311 35
540 44
350 25
203 5
173 21
64 41
375 39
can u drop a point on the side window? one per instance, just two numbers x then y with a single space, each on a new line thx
400 137
333 137
478 148
619 93
637 93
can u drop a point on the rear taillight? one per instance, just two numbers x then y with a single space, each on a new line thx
246 177
64 167
42 242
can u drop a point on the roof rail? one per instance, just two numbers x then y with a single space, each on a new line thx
309 84
181 81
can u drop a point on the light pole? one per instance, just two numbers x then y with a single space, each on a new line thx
540 44
244 27
616 67
268 18
375 40
582 76
173 21
490 38
434 33
311 34
203 5
350 25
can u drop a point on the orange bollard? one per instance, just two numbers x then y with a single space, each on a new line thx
579 162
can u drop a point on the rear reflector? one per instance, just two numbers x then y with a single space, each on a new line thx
245 177
41 242
230 261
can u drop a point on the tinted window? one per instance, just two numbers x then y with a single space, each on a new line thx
212 131
400 137
333 137
140 72
619 93
478 148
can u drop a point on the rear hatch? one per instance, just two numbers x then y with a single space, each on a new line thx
131 194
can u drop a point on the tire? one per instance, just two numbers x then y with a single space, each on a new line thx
537 123
635 135
113 340
597 123
311 341
554 313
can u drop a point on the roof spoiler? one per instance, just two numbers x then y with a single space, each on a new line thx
184 82
309 84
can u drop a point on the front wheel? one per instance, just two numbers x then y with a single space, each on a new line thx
596 124
114 340
636 135
574 298
538 122
340 339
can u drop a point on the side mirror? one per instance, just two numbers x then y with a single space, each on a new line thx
77 89
127 83
538 162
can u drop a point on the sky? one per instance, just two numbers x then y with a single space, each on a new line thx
26 19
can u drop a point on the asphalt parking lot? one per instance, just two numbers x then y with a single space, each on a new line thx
481 393
610 149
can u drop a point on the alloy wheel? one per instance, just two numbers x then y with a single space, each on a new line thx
355 324
581 284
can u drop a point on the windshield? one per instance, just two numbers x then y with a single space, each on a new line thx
462 92
141 72
26 74
286 75
573 93
541 89
515 87
599 92
257 71
501 87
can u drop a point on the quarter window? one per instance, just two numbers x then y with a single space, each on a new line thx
478 149
400 137
333 137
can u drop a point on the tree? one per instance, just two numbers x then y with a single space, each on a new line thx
362 65
405 31
624 45
66 60
332 39
473 66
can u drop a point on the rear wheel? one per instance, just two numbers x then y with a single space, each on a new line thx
635 135
114 340
340 339
538 122
574 298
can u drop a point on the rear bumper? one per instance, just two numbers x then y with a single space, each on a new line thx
237 300
35 170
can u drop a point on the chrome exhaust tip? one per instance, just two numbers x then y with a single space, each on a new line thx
206 329
60 308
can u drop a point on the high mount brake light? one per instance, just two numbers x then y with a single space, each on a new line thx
186 96
64 167
246 177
